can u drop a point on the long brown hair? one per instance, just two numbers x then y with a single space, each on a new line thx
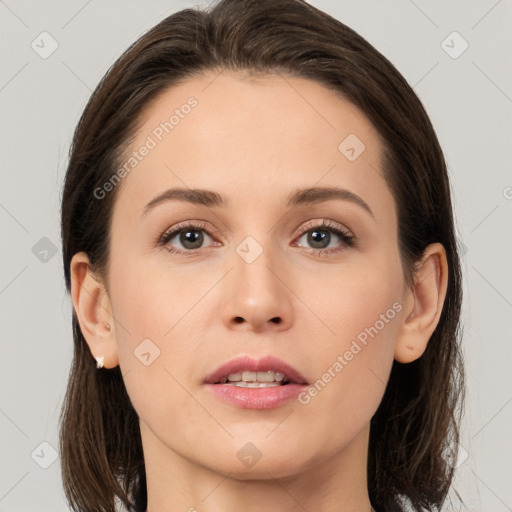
417 420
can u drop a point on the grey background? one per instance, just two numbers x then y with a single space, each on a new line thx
469 99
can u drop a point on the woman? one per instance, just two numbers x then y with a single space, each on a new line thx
259 245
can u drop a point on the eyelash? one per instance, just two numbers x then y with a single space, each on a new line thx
346 236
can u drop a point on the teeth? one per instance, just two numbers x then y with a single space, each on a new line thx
255 379
249 376
243 384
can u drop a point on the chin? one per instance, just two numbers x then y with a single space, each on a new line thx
260 467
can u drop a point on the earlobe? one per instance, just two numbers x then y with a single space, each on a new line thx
424 304
93 311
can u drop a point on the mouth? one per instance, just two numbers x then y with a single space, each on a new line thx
245 372
249 379
248 383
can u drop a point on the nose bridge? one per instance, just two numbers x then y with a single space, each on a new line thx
257 264
257 294
257 246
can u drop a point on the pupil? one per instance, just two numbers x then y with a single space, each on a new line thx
323 236
194 238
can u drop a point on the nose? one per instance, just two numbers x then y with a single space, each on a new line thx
258 295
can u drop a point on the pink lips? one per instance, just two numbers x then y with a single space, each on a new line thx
256 398
255 365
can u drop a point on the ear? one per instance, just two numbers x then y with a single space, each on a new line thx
93 310
423 304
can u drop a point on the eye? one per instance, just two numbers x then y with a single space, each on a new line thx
190 235
319 236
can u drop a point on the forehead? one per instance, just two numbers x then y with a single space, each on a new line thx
269 133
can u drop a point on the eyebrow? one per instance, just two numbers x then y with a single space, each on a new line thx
298 197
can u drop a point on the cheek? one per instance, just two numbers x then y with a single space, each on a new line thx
151 299
352 364
154 342
357 301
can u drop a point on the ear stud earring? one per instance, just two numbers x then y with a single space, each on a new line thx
99 359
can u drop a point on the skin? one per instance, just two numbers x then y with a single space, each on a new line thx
254 141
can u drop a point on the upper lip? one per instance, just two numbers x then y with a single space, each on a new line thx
255 365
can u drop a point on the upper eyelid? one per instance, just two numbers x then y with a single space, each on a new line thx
327 225
173 231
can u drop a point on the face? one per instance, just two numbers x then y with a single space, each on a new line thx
316 282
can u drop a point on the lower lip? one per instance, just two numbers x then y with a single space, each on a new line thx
256 398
